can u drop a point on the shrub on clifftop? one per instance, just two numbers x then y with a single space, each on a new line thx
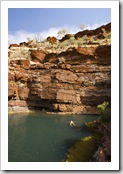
104 111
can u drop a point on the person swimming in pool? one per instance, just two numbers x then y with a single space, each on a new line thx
72 123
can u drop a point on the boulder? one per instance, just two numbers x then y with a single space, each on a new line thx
52 40
13 45
23 44
37 55
66 37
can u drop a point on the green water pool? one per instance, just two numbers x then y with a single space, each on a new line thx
40 137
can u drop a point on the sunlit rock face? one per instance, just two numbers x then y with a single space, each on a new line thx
75 79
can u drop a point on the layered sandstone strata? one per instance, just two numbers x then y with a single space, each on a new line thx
78 84
74 80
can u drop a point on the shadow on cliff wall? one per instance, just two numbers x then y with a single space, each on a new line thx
34 100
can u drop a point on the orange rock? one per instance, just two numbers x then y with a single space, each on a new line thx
17 103
12 88
24 63
66 76
86 51
68 96
13 45
23 92
21 74
11 76
37 55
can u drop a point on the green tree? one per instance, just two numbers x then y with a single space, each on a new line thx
104 111
62 32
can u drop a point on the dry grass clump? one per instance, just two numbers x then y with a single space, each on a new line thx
20 53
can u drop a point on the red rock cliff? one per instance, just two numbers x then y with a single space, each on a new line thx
75 80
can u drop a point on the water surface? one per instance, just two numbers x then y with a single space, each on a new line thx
44 138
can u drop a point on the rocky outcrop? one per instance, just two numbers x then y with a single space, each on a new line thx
66 37
75 80
37 55
13 45
52 40
23 44
103 154
97 32
102 130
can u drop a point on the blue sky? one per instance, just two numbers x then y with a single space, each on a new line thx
27 22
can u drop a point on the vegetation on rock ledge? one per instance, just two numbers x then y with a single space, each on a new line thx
95 148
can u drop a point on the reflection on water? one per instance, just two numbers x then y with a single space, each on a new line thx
43 138
16 123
